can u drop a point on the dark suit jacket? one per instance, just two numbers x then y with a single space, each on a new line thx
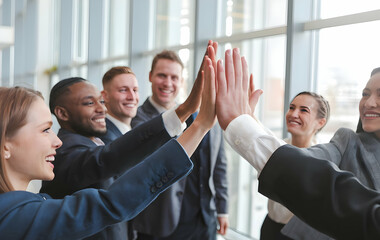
28 216
112 132
162 217
358 153
332 201
80 164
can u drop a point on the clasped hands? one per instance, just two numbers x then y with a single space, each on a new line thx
228 91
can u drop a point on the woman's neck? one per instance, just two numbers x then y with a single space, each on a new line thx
302 141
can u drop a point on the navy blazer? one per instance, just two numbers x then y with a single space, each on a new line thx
332 201
80 163
27 216
112 132
161 218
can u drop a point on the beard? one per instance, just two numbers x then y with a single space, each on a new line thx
87 131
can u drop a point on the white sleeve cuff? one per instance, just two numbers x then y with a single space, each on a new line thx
248 138
172 124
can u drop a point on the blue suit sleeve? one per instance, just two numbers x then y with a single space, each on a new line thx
25 215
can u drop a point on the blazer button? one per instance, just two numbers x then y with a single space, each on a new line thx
153 189
164 179
158 184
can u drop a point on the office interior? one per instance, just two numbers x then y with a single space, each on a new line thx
326 46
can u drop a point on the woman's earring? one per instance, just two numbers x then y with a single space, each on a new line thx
7 155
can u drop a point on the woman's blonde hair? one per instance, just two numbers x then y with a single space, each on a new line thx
15 103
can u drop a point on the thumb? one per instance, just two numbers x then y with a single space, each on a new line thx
254 98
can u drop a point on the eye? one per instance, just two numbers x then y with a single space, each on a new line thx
365 94
122 90
102 102
47 130
291 107
304 110
89 103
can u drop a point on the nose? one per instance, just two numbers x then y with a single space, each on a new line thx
130 95
57 143
100 107
371 102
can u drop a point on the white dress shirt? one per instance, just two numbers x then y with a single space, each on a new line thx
252 140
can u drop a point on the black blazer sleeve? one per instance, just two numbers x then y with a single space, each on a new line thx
332 201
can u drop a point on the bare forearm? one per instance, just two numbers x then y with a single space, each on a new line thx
191 138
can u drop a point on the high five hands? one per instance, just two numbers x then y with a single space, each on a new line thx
235 91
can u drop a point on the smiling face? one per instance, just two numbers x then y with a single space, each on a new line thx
84 110
166 79
32 148
122 97
369 106
301 118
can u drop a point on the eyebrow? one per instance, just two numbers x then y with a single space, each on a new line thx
300 106
47 122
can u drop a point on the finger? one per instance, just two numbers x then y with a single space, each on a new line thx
221 80
251 85
215 45
229 72
211 53
245 83
254 98
237 68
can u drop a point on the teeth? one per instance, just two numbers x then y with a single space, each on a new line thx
130 105
100 120
166 91
371 115
50 159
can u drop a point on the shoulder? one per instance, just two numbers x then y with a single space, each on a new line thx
70 139
144 113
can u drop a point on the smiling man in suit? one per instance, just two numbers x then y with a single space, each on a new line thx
121 97
191 208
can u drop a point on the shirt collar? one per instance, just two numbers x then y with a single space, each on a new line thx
123 128
157 106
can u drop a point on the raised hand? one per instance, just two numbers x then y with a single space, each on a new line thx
207 112
193 101
235 94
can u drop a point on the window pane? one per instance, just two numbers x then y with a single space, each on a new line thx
81 30
174 23
347 56
335 8
118 27
239 16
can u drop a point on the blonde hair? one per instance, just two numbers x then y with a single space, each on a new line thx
15 103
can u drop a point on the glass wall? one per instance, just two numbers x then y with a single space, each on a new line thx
85 38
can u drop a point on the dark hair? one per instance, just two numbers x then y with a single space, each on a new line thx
15 103
166 54
59 89
113 72
359 127
324 106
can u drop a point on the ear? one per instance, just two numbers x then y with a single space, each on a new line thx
104 95
61 113
7 152
150 76
321 123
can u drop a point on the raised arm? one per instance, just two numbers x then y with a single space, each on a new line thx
30 216
193 101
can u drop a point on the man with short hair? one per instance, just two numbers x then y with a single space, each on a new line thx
121 96
84 161
189 209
